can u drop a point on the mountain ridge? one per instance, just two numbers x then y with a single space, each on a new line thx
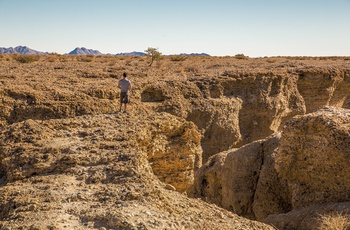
85 51
20 50
134 53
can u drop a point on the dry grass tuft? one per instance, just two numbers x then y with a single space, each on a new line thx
86 58
26 58
177 58
335 221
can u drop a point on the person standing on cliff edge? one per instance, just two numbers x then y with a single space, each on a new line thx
125 86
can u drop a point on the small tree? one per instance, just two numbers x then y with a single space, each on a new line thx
154 54
241 56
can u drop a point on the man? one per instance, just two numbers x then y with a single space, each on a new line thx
125 86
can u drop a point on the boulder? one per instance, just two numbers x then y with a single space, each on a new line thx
311 217
313 157
244 180
240 176
173 149
208 179
272 193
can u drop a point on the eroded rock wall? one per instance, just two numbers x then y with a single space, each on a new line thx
288 180
310 217
230 111
244 100
324 87
173 149
213 116
92 172
244 181
313 157
172 145
268 100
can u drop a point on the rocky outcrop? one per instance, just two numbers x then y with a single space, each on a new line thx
172 146
332 88
173 150
213 116
224 107
268 100
313 157
286 180
257 103
208 179
92 172
310 217
244 181
272 194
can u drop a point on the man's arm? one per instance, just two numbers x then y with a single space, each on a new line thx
119 85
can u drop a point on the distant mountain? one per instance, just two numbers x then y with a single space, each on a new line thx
84 51
194 54
132 54
20 50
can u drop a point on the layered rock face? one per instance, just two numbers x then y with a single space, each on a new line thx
243 101
313 157
248 106
332 88
244 180
213 116
232 110
289 180
173 150
92 172
171 144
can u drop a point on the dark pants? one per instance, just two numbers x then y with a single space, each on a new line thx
124 97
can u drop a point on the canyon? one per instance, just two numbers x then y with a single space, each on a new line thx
208 142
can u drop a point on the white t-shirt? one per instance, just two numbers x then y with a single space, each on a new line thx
124 85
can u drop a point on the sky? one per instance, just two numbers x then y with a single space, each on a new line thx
255 28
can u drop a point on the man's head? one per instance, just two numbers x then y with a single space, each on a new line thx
125 75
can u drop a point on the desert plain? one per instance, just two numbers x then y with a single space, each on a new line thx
207 142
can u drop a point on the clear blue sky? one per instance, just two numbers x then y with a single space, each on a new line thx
218 27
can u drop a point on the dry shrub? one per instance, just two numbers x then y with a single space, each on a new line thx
128 62
271 60
86 58
241 56
335 221
52 57
191 69
63 58
26 58
105 58
178 58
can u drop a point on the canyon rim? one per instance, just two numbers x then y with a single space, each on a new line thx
261 141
